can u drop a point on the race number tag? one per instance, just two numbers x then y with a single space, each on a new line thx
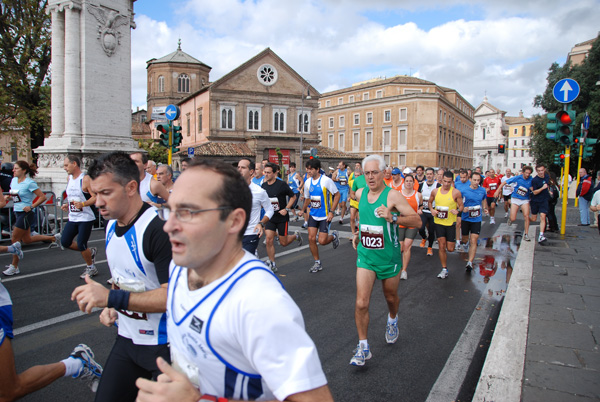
275 203
342 182
315 202
73 208
474 212
493 186
135 287
522 191
442 212
371 237
425 202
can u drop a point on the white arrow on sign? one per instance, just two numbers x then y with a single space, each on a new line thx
171 113
565 90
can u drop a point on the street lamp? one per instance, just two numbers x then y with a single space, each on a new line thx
308 97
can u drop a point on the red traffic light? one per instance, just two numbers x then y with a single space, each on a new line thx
562 156
162 129
564 118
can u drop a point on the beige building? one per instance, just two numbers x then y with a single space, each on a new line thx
407 120
579 52
14 143
520 130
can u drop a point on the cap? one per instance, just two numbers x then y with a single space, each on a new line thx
395 171
407 171
330 168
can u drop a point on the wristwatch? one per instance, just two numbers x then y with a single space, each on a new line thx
394 218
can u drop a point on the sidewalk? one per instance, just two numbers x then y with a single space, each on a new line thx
558 298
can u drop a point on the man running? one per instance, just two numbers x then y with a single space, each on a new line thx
461 183
278 192
164 175
235 333
520 197
507 191
427 230
340 177
448 204
149 189
138 253
318 192
540 198
491 183
78 204
294 180
379 255
475 204
420 174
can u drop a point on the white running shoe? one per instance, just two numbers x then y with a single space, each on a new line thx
391 332
360 355
12 270
57 241
506 214
90 371
541 238
526 237
91 271
299 238
403 275
443 274
492 220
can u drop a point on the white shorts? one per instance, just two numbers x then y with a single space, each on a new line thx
518 201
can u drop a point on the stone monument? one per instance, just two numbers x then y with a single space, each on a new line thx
91 85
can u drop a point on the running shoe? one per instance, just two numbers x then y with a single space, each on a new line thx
541 238
299 238
336 239
423 243
492 220
429 251
90 371
91 271
57 241
11 270
341 221
469 267
315 268
360 355
391 332
526 237
93 251
509 222
443 274
272 266
305 225
459 248
403 275
18 251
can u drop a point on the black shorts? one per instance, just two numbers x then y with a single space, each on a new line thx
279 227
491 200
538 207
507 197
24 219
82 230
470 227
448 232
323 225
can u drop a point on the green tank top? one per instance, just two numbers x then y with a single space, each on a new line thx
378 239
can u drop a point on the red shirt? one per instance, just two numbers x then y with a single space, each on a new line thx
491 184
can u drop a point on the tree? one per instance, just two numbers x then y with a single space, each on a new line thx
156 152
24 66
587 75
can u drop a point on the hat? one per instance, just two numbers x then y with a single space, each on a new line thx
395 171
407 171
330 168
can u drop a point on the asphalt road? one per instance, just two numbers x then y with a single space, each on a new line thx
442 322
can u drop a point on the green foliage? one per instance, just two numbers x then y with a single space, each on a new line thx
25 61
586 75
156 152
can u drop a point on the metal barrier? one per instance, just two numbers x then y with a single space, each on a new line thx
46 214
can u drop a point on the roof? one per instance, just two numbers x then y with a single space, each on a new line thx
517 120
399 79
223 149
178 56
489 105
330 153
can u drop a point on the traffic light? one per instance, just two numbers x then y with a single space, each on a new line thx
500 148
588 147
559 159
552 126
164 130
177 138
565 121
313 153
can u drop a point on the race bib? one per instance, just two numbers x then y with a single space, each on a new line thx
522 191
425 202
73 208
315 202
343 182
135 287
275 203
493 186
475 213
371 237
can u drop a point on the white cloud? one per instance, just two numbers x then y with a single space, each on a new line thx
504 53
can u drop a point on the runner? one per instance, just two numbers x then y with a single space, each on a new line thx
318 192
14 248
406 235
151 169
150 189
540 199
387 178
461 183
378 251
520 197
24 191
448 204
475 203
295 182
235 333
278 191
507 192
420 174
427 230
164 174
78 204
397 180
138 253
491 183
340 177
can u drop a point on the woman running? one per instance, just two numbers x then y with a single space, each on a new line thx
407 235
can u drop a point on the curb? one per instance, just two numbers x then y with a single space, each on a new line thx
502 374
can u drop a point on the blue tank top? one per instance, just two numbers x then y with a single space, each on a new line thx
292 182
342 183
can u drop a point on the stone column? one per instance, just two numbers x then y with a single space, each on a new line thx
58 72
72 70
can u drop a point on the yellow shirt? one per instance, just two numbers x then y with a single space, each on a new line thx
444 203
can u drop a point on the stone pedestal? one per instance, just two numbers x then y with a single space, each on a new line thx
91 84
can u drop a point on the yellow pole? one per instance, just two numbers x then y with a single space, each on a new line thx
578 167
170 161
563 220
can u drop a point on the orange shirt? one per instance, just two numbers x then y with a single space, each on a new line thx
413 201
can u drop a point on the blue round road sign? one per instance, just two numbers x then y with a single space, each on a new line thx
566 90
172 112
586 122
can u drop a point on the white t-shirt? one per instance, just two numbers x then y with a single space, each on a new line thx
241 336
595 199
508 188
260 199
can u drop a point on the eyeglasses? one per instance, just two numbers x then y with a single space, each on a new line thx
371 172
184 214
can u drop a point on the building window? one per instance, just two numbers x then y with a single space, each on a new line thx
330 140
522 142
267 74
351 99
342 121
369 117
387 140
161 83
483 130
331 122
379 94
14 155
342 141
515 143
356 119
387 116
514 165
319 124
327 103
401 138
254 119
227 117
523 133
189 125
200 120
183 83
279 119
366 96
369 140
522 153
340 101
514 153
303 122
402 160
402 114
356 141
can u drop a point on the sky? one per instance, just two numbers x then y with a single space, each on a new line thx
499 49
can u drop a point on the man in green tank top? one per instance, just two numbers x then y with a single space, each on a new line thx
379 255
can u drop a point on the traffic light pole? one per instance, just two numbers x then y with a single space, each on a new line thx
170 161
565 191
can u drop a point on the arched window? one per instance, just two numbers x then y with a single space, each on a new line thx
183 83
161 83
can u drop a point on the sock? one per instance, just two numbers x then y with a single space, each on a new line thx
91 266
72 366
11 249
363 344
392 320
318 261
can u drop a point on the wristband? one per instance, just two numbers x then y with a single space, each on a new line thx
118 299
211 398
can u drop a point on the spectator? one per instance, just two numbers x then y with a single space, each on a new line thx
585 194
